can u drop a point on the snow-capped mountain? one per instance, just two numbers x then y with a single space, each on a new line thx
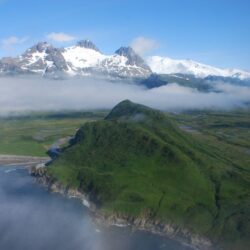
165 65
85 58
82 59
42 58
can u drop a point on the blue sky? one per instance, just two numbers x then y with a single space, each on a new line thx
215 32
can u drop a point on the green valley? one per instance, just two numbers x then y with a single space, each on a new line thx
32 134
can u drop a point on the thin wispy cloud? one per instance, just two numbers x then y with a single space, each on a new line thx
143 45
60 37
9 42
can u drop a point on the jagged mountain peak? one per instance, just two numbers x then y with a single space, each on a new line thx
42 58
87 44
125 51
133 57
86 59
39 47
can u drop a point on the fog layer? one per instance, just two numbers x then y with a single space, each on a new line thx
35 94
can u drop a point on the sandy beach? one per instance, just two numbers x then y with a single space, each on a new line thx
13 160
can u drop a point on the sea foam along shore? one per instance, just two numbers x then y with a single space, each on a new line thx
142 222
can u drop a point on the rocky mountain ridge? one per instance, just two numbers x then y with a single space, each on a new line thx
85 59
166 65
82 59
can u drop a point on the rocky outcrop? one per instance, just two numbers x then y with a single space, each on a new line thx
42 177
133 57
10 66
83 59
55 56
88 45
156 227
142 222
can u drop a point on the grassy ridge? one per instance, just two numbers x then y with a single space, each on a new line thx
137 162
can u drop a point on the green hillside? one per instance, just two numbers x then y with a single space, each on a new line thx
138 162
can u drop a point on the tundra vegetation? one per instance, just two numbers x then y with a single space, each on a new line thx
141 162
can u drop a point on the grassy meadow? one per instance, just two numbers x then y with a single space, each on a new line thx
33 134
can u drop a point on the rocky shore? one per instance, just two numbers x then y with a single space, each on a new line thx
142 222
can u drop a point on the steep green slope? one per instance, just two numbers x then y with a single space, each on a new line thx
137 162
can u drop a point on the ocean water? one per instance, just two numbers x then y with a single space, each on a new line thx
33 219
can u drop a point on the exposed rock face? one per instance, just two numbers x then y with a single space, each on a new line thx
42 177
142 222
80 60
33 59
39 47
42 59
88 45
45 58
58 62
85 59
10 66
133 58
125 63
157 227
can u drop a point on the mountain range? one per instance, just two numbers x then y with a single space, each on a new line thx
84 59
166 65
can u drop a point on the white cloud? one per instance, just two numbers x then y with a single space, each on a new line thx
93 94
143 45
60 37
7 43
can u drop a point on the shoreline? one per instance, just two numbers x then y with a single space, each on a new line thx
21 160
141 223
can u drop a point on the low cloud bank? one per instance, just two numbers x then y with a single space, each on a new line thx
35 94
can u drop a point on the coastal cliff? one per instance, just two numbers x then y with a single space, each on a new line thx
137 168
142 222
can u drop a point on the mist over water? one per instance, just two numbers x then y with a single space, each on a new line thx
36 94
33 219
